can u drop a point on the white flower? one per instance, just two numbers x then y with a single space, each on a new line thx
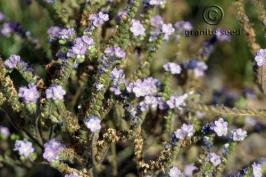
93 123
214 158
239 134
24 147
186 130
256 170
175 172
220 127
177 101
260 57
188 171
173 68
137 28
167 30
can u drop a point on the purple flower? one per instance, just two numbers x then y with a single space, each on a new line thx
239 134
175 172
29 94
137 28
256 170
260 57
6 29
72 175
93 123
66 33
200 69
80 46
53 33
156 21
2 16
220 127
115 89
149 101
188 170
221 35
115 51
214 158
118 76
181 26
12 61
167 30
4 132
186 130
157 2
24 147
173 68
55 92
145 87
177 101
52 150
99 19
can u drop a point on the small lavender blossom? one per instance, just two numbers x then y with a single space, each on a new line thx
220 127
99 19
173 68
72 175
115 89
137 28
67 33
260 57
24 147
145 87
4 132
6 29
256 170
157 2
149 101
188 170
2 16
52 150
53 33
186 130
55 92
214 158
117 76
12 61
115 51
167 30
221 35
177 101
183 26
239 134
156 21
29 94
80 46
93 123
175 172
200 69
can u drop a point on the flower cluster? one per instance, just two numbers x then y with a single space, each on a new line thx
52 150
185 131
29 94
24 147
93 123
260 57
145 87
55 92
